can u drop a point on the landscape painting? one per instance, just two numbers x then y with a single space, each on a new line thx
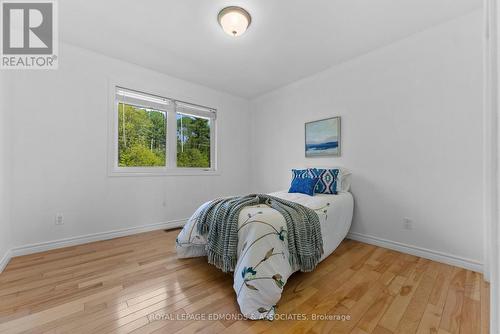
323 137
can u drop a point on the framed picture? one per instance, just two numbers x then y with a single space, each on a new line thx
323 137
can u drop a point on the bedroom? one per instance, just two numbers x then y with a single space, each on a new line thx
141 115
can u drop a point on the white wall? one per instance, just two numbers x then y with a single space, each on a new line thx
60 142
5 228
403 108
411 134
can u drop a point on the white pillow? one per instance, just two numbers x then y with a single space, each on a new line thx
344 180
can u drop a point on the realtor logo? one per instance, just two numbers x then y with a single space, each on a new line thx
29 31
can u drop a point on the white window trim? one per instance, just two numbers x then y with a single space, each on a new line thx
171 152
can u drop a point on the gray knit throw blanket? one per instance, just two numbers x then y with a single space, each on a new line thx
219 219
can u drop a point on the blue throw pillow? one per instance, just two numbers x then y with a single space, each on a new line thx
300 174
303 185
327 180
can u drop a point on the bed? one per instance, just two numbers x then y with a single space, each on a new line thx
263 269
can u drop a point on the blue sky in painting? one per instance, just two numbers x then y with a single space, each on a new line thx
322 131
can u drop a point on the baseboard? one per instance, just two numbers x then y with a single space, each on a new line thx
73 241
5 260
419 251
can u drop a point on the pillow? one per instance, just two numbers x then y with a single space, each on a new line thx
304 185
343 179
327 180
300 174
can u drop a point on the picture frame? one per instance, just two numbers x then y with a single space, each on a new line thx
323 137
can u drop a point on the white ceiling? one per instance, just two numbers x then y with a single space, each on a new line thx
288 39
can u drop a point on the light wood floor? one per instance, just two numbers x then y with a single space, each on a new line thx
116 285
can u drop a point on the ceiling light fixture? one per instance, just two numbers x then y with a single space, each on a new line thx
234 20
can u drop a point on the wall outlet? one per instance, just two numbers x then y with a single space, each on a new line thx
407 223
59 219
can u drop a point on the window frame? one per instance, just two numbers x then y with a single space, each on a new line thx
171 137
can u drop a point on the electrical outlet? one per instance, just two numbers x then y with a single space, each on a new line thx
407 224
59 219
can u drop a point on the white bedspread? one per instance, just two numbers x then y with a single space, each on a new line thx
263 268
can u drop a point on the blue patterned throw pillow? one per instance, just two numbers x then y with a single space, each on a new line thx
327 180
300 174
304 185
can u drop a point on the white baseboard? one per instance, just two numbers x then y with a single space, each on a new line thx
419 251
73 241
5 259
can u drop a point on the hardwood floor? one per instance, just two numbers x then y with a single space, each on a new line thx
136 284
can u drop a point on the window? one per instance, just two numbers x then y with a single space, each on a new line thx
193 137
153 134
142 136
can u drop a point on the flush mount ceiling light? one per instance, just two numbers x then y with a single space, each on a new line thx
234 20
